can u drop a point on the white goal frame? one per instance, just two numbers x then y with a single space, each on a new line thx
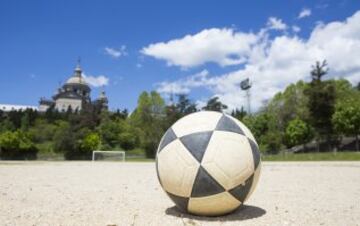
112 152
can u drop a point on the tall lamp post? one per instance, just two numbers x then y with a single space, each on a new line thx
246 85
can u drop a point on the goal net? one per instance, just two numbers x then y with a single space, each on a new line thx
108 156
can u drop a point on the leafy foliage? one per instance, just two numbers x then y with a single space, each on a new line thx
148 119
90 142
346 119
17 145
214 104
239 114
298 132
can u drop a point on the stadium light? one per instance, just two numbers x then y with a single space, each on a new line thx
245 85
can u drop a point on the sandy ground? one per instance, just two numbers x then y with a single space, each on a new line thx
85 193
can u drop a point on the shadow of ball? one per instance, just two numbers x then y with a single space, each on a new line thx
244 212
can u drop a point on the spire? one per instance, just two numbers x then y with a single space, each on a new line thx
78 71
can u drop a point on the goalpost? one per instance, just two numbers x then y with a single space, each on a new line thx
108 156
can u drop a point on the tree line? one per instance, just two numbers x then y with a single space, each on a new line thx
323 111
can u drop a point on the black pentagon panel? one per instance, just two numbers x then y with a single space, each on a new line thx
227 124
205 185
240 192
169 136
197 143
255 153
181 202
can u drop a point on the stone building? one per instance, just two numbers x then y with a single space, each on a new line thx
73 95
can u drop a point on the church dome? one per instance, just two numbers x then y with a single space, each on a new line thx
76 80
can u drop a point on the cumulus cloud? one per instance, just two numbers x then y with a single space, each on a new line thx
222 46
274 63
96 81
116 52
296 28
276 24
184 86
304 13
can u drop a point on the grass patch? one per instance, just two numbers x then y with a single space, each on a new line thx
322 156
140 160
136 152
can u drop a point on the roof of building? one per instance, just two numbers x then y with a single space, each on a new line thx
77 77
68 95
44 101
76 80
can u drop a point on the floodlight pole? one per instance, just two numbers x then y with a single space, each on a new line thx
248 100
246 85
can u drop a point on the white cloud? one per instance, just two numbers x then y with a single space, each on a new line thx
184 86
96 81
116 52
276 24
296 29
304 13
274 63
222 46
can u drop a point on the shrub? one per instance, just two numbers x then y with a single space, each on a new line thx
90 142
128 140
17 146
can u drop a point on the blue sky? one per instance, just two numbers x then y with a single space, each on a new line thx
202 48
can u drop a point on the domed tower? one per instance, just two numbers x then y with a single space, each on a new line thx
102 102
74 93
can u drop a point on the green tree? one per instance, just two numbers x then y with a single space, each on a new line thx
264 128
258 124
42 131
120 114
271 142
90 142
214 104
25 122
17 145
239 114
321 104
344 91
148 119
6 125
64 138
289 104
15 118
109 131
298 132
346 120
128 140
184 105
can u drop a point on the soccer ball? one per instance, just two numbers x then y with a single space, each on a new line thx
208 163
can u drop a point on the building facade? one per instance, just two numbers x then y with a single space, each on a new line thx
74 95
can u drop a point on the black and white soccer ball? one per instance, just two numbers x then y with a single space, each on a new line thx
208 163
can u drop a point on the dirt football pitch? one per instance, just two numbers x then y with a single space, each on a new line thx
113 193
